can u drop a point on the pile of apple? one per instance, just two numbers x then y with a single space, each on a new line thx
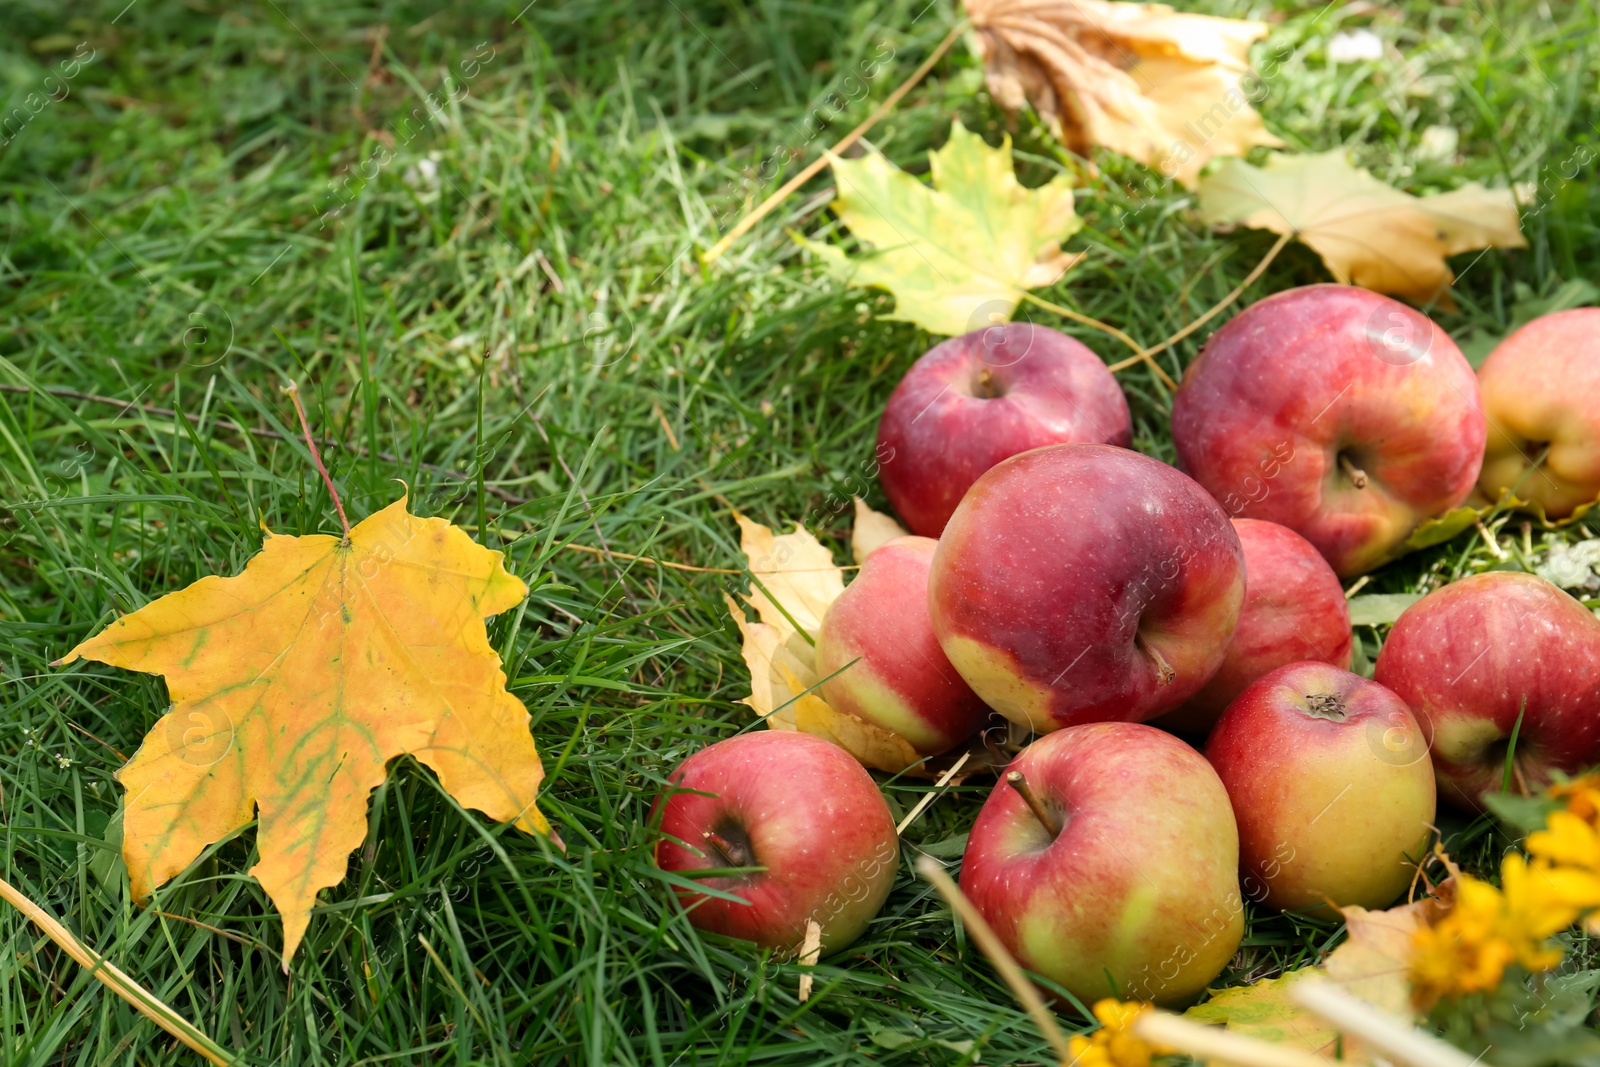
1081 589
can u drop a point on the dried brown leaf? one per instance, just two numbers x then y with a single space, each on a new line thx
1165 88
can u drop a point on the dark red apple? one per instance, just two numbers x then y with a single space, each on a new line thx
1081 583
882 662
1294 610
1339 413
977 399
1132 889
1473 657
796 805
1331 786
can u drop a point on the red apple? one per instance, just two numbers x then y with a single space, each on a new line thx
881 659
798 806
1339 413
1331 785
977 399
1473 657
1294 609
1081 583
1539 391
1137 895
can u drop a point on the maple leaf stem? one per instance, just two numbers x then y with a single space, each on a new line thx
316 457
1216 309
143 1001
989 941
744 225
1141 355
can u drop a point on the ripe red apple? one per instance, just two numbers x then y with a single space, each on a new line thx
1339 413
1081 583
797 805
1137 895
1539 388
1331 785
1472 657
977 399
1294 610
881 659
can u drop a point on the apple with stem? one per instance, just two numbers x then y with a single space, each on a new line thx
1106 860
1491 656
795 829
1539 388
1294 610
1081 583
1339 413
879 657
977 399
1331 786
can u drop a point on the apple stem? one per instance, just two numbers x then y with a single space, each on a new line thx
1016 780
1164 672
985 383
728 852
1358 477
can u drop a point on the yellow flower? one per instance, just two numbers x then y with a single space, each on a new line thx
1541 900
1114 1044
1489 929
1466 951
1571 845
1582 795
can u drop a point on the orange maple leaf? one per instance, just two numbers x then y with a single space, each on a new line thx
295 682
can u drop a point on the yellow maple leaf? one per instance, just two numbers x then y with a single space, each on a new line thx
1169 89
797 581
1263 1010
1369 234
1373 963
957 256
296 681
871 531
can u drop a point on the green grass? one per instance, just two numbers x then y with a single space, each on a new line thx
533 347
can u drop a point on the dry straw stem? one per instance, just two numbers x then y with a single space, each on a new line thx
744 225
1395 1038
1249 280
1212 1043
143 1001
932 794
810 952
989 942
1141 354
